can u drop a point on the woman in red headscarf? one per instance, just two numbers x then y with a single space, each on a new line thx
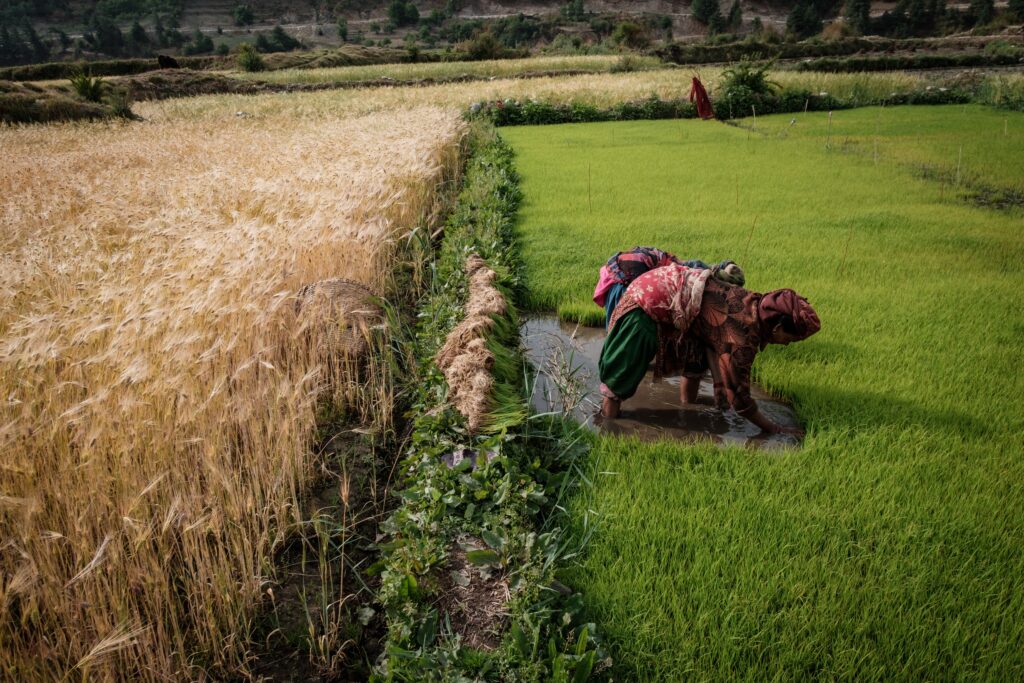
688 322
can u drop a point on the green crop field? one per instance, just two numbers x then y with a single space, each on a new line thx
891 545
978 143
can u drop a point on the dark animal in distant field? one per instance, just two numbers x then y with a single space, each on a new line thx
166 62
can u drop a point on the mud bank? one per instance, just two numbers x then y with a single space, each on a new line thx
566 357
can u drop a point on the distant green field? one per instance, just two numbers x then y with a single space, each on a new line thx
986 144
891 545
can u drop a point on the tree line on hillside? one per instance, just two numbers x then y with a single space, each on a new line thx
21 43
907 19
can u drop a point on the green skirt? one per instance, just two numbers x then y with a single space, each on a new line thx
628 349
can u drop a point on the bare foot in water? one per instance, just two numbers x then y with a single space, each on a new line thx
610 408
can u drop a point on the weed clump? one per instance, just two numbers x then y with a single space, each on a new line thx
87 87
249 59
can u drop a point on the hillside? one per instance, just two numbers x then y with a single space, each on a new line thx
33 31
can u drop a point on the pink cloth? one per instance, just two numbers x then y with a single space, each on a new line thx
671 295
604 282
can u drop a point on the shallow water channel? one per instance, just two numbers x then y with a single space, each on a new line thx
566 357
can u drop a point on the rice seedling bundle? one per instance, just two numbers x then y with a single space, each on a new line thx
157 399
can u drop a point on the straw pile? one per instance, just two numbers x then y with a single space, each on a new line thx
465 359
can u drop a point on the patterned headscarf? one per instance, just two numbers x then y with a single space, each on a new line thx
729 273
791 310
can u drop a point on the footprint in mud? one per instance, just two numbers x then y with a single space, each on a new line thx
566 356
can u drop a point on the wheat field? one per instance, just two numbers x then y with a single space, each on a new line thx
157 399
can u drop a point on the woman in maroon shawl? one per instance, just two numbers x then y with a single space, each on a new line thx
688 322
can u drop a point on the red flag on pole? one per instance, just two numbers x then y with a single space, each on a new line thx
699 96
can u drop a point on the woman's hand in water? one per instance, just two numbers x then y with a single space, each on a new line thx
792 431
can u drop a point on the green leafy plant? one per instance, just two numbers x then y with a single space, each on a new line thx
88 87
749 73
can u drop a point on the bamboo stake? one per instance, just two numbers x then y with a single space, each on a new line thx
846 248
590 201
746 251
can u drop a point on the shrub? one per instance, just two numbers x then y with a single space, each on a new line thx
750 74
277 41
249 59
87 87
223 50
343 29
625 64
243 15
705 10
483 46
630 34
119 100
200 43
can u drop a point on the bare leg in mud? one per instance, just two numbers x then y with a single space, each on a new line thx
689 387
610 407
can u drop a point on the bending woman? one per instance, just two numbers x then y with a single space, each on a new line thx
683 318
625 266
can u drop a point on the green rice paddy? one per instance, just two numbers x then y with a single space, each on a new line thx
891 545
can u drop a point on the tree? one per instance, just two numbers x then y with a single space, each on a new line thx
735 19
62 38
704 10
403 13
107 37
200 44
40 50
343 29
574 10
1016 8
804 21
244 15
858 15
983 11
138 34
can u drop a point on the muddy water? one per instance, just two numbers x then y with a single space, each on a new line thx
566 356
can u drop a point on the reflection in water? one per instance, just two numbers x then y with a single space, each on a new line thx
566 356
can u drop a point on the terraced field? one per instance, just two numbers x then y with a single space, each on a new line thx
889 545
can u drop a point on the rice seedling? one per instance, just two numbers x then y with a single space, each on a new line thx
159 392
889 546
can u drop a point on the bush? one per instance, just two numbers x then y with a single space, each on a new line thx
625 64
630 34
223 50
200 44
483 46
343 29
249 59
87 87
277 41
403 13
119 100
243 15
751 74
